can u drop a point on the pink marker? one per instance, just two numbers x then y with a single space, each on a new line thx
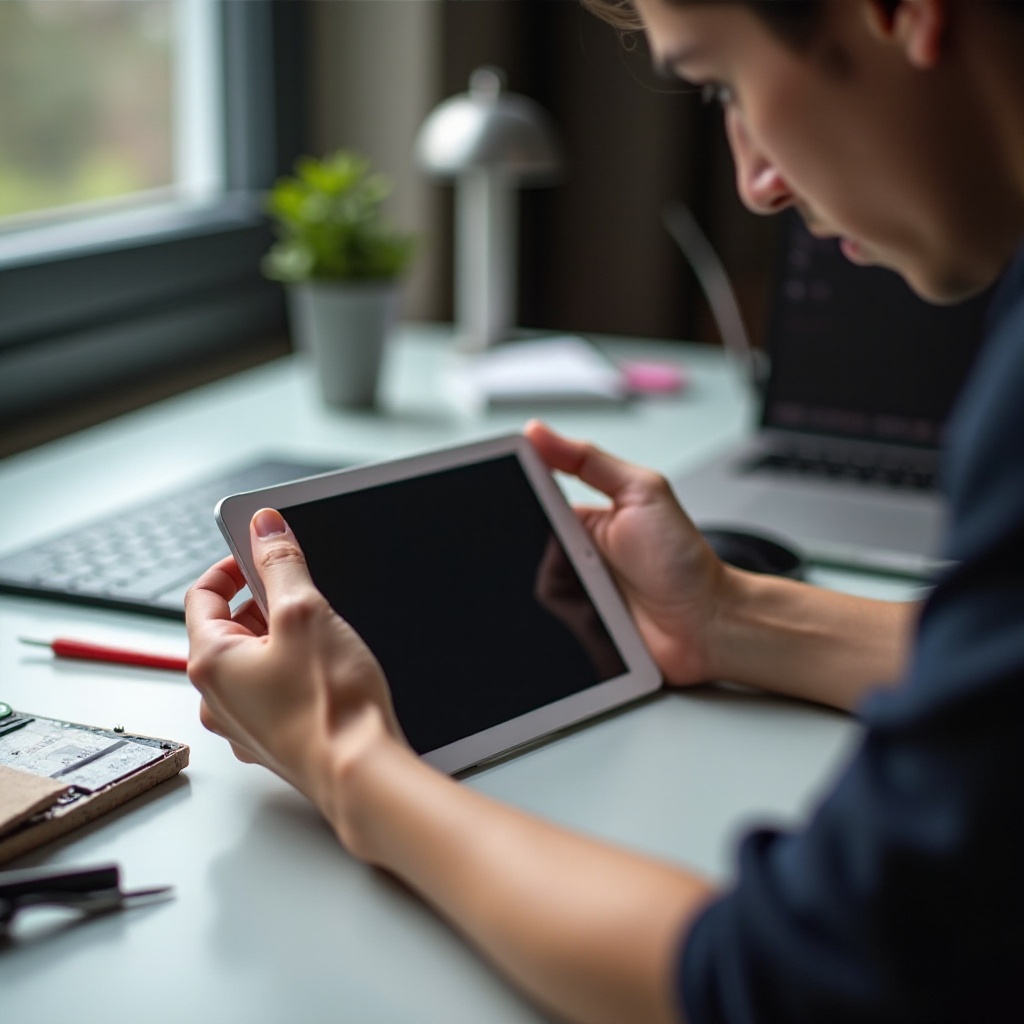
653 378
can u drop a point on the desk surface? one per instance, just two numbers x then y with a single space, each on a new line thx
271 921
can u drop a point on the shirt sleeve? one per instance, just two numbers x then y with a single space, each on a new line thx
903 899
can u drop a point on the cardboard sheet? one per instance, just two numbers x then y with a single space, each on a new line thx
22 795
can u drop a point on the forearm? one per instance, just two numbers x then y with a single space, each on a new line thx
806 642
590 931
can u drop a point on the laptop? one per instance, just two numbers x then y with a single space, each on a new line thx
861 380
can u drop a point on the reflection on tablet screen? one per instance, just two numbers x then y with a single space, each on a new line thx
464 593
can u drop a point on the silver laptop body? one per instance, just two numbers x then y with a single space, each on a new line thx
840 520
862 378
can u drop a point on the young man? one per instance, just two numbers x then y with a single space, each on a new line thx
898 127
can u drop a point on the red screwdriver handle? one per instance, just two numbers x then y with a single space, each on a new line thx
96 652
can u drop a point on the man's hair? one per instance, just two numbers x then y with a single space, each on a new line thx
793 20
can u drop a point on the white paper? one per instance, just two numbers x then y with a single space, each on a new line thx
548 370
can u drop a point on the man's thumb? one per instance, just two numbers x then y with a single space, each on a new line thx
276 552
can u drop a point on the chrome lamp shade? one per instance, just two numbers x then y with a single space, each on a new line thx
490 143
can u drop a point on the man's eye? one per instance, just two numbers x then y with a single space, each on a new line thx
715 92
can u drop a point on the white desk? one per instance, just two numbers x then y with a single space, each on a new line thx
271 921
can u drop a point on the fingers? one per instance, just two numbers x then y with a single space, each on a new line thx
596 468
294 604
278 557
210 596
250 618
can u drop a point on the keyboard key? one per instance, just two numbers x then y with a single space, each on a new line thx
824 465
147 556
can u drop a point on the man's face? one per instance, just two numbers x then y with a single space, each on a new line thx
847 130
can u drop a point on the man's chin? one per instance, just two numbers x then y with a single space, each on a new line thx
946 290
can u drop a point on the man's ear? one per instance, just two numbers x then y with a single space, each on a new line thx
917 26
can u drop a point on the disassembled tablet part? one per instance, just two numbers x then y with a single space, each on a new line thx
56 775
80 756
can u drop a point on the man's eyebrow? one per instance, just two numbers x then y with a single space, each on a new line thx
666 65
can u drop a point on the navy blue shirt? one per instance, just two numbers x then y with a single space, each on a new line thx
903 898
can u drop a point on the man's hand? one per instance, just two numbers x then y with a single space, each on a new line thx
671 580
703 620
301 694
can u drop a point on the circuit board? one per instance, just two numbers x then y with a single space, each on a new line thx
58 775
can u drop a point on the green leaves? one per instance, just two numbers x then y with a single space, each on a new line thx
328 216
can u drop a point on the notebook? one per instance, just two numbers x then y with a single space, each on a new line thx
862 378
144 557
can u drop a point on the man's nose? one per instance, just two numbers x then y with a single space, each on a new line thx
760 185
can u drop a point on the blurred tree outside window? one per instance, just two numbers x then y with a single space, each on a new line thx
137 141
106 104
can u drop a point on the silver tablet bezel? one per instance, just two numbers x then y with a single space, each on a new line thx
641 677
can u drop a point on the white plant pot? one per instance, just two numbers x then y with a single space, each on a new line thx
343 327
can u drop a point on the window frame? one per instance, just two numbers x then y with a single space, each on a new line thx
166 286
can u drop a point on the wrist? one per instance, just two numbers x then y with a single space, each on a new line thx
751 614
801 641
361 767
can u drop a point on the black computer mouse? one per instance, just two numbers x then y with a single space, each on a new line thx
756 552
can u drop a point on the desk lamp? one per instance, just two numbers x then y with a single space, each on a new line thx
491 142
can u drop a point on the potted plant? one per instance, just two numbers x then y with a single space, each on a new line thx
341 263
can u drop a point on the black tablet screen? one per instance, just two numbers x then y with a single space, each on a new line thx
460 587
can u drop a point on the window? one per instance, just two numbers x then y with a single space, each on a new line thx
108 103
136 139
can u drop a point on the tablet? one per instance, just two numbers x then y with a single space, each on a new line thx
475 585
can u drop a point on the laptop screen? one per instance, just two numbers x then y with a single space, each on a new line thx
856 354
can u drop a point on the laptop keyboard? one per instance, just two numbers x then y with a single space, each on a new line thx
146 556
902 475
